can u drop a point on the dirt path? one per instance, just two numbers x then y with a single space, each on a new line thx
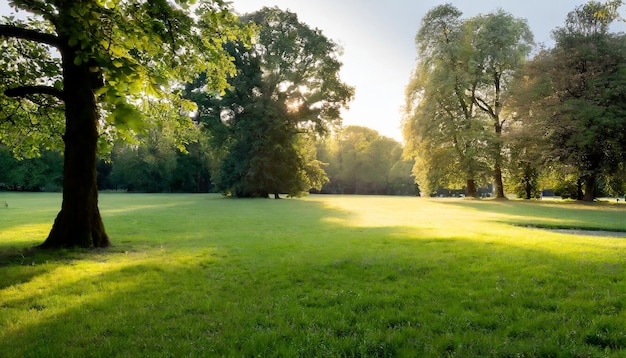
591 233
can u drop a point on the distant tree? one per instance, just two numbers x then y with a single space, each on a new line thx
34 174
456 94
287 91
147 167
77 60
590 83
356 168
361 161
401 179
615 184
528 163
193 170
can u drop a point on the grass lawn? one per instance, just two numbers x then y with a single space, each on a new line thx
325 276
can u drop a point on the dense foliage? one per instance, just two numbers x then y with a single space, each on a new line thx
575 93
569 125
456 95
44 173
287 92
558 121
361 161
356 160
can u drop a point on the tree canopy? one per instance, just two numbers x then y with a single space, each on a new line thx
476 103
361 161
574 93
456 94
286 92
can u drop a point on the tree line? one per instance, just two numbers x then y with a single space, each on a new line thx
356 160
479 109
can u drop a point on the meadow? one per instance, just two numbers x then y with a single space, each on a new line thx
323 276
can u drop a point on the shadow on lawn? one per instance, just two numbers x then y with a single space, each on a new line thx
18 266
550 215
338 291
156 226
365 303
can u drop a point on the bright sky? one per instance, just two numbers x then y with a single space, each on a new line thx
378 42
378 38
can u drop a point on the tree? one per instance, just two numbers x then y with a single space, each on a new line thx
525 144
590 86
146 167
442 129
402 181
151 161
457 90
80 59
361 161
357 172
35 174
501 44
579 98
287 91
193 169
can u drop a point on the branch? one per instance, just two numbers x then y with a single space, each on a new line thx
24 91
484 106
30 35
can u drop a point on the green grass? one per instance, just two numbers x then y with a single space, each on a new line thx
199 275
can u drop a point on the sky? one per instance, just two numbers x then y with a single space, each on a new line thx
378 41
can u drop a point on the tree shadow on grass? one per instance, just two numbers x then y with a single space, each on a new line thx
134 214
364 303
18 267
549 215
301 281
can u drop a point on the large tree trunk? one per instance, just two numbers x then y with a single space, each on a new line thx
579 189
79 224
528 189
471 189
497 168
590 186
497 180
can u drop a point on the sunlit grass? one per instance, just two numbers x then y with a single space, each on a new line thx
199 275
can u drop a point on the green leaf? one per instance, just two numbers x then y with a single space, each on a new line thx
73 41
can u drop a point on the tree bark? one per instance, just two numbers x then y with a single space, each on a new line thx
497 180
79 224
497 168
528 189
590 186
471 189
579 189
